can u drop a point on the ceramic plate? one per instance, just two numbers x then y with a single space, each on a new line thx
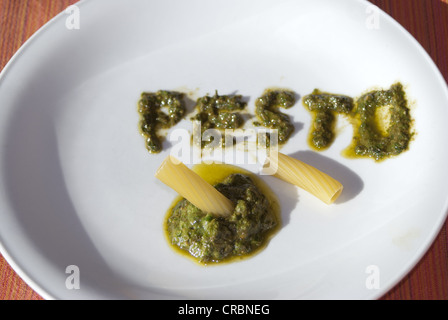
78 191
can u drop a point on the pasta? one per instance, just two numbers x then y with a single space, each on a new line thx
192 187
304 176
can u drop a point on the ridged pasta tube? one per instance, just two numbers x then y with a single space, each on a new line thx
192 187
304 176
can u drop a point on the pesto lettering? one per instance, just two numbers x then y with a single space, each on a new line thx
159 110
381 119
369 139
267 110
219 112
324 108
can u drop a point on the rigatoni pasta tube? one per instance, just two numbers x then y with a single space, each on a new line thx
304 176
192 187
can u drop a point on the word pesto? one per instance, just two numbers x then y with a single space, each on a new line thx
381 119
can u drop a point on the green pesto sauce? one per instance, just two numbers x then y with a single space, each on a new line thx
208 239
159 110
267 110
219 112
324 108
373 137
381 120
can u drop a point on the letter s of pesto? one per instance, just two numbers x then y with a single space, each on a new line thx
153 117
267 111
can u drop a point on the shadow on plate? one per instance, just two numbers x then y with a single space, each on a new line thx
352 183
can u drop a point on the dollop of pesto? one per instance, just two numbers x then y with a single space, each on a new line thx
267 110
324 108
369 140
219 112
208 238
159 110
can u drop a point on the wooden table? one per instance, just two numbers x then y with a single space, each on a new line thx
426 20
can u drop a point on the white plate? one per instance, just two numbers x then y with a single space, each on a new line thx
78 186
